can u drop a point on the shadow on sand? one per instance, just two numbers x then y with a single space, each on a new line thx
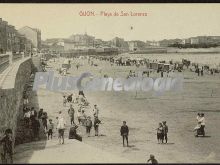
168 143
203 136
131 148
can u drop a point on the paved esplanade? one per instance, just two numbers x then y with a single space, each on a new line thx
8 76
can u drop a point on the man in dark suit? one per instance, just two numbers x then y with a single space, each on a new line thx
124 132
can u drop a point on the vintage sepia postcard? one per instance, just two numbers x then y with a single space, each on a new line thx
109 83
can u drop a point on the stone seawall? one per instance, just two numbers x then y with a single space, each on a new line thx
11 99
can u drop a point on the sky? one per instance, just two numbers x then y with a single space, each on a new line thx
163 21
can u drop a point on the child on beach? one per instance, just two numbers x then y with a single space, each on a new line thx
50 129
152 160
61 124
160 135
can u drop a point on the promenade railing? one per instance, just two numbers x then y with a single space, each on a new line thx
8 58
4 62
16 57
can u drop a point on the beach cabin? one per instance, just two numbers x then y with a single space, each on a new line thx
160 66
180 66
147 64
166 67
153 65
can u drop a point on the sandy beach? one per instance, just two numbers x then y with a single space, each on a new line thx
143 112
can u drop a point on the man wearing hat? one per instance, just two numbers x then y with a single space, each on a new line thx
165 130
152 160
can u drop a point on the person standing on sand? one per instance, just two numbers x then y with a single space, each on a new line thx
71 113
61 127
202 121
160 133
198 126
50 129
152 160
165 130
96 125
124 132
202 72
79 116
95 111
88 124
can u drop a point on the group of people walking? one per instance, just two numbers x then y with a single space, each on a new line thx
83 119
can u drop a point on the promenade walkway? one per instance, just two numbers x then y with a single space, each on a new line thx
8 76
